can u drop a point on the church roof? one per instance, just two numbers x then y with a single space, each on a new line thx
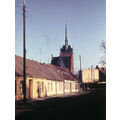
55 61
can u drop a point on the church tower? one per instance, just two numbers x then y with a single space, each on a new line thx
66 54
65 59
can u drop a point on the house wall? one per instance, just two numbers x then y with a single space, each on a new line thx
96 77
60 87
50 87
69 86
18 94
38 87
86 76
34 93
77 86
102 77
73 86
89 76
54 87
46 87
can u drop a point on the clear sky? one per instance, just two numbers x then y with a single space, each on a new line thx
45 29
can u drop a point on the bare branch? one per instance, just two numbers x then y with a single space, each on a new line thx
103 48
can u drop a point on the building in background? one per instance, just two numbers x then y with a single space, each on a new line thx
66 57
96 75
92 77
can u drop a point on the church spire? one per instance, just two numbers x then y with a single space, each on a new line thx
66 41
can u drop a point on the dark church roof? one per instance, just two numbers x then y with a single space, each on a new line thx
62 61
58 61
55 61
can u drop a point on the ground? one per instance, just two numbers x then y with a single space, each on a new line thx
89 106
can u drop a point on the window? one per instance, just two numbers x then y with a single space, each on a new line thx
38 87
73 86
59 86
21 87
42 87
51 86
15 88
76 86
67 86
48 87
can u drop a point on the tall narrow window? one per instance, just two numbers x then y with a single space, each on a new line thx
48 87
73 86
59 86
51 86
15 88
76 86
42 87
67 85
21 87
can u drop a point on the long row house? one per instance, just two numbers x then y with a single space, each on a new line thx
42 80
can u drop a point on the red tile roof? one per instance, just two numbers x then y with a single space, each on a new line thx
63 72
40 70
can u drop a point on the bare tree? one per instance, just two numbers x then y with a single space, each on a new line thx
103 48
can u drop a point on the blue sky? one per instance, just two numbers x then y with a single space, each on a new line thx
45 28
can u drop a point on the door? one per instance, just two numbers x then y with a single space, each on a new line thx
38 89
30 89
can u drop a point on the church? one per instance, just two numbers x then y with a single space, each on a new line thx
66 57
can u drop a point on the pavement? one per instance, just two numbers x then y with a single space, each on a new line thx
88 105
60 96
20 108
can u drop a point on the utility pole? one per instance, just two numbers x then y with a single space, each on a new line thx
40 54
80 72
91 73
24 51
80 61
